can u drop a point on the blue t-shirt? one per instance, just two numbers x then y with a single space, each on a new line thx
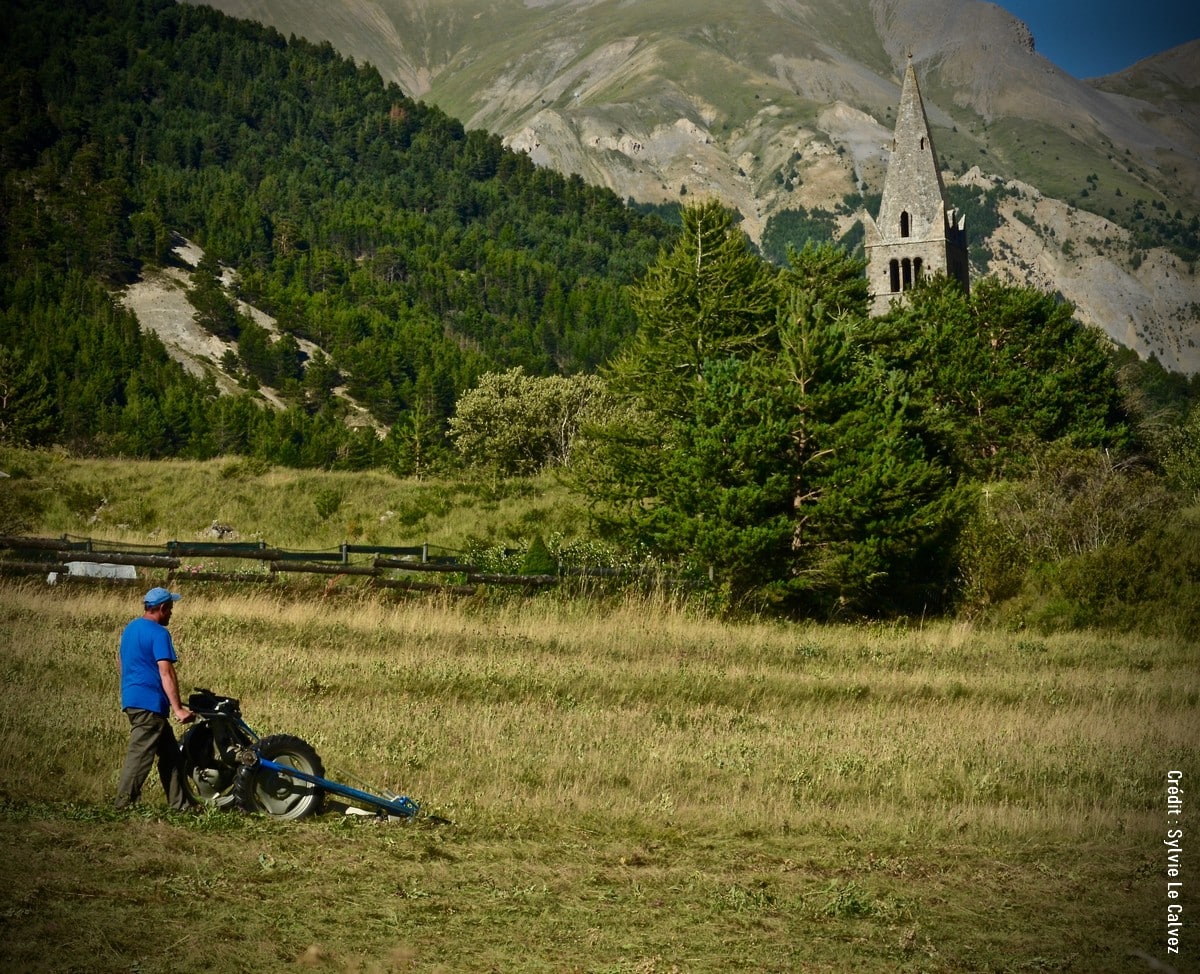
143 643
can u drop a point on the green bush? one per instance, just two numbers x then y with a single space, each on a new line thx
327 501
1080 541
538 560
20 505
992 561
83 500
1150 584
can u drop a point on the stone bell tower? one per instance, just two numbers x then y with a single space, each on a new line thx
914 235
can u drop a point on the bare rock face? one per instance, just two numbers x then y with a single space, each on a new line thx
1146 301
1023 36
222 532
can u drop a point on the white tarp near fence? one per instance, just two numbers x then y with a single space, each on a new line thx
92 569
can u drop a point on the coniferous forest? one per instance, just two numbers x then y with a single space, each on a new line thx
416 254
745 422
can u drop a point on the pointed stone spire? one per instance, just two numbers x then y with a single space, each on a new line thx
914 235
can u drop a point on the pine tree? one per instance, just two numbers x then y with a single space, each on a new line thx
792 468
707 299
26 416
215 312
1000 371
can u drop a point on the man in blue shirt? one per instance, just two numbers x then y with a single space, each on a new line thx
149 694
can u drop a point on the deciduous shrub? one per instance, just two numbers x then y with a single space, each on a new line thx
519 424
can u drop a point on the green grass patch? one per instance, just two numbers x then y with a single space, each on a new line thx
152 502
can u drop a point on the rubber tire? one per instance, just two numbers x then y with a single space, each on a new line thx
197 742
278 795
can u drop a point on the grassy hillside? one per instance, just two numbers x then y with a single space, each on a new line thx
151 502
502 65
631 789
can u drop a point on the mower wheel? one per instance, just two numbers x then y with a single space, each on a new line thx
277 793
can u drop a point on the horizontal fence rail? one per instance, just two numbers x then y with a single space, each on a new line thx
383 566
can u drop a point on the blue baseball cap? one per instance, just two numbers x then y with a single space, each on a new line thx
157 596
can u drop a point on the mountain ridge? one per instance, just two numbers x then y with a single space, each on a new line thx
781 104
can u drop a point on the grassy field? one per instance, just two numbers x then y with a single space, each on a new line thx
629 788
155 501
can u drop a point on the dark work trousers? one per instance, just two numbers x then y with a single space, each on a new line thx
150 737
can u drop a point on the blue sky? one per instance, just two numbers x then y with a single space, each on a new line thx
1088 38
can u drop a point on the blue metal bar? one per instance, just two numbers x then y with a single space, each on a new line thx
397 806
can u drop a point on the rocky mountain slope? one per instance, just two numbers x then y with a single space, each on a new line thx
774 104
159 300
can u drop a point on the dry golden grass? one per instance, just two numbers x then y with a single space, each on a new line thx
632 786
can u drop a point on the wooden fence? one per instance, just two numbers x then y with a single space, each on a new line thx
383 566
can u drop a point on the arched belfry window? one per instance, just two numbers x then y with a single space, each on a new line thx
904 224
894 274
906 266
918 268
